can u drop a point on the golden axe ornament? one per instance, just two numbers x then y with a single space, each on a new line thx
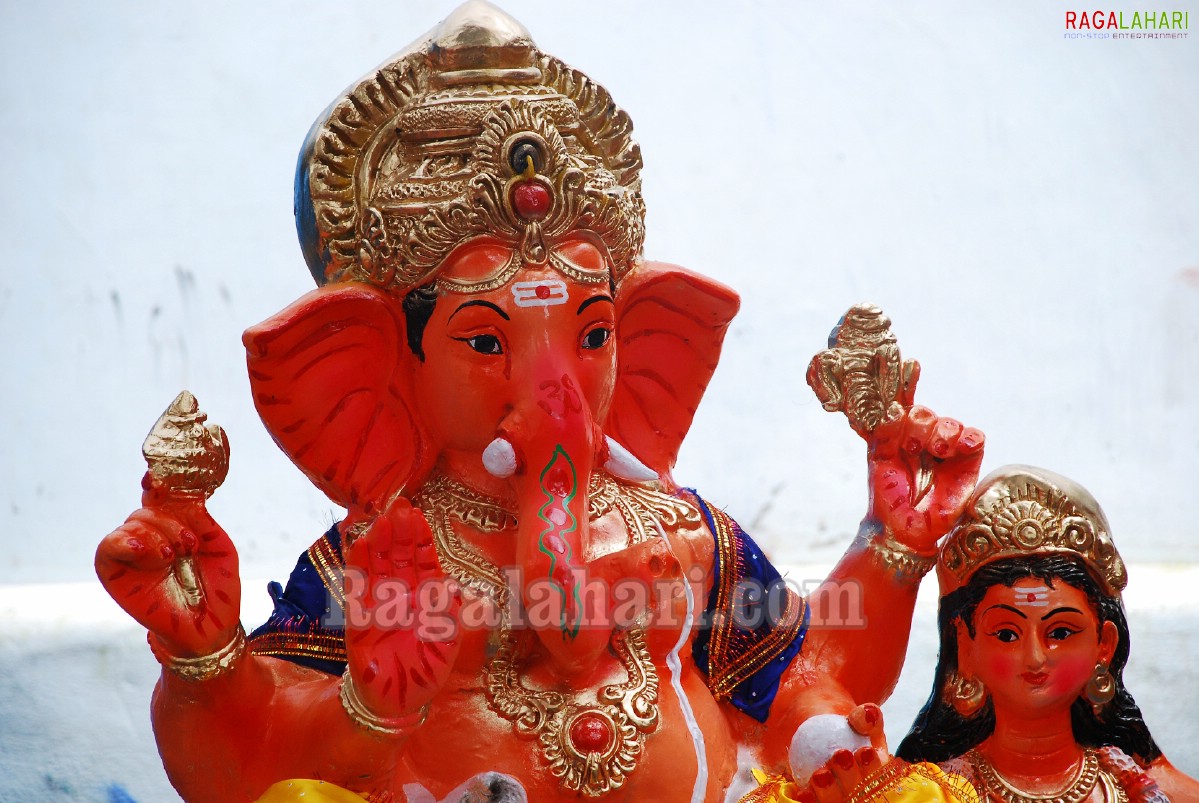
520 601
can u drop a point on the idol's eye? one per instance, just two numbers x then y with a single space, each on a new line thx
596 338
1006 635
1061 633
484 344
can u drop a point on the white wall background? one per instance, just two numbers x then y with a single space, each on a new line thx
1024 206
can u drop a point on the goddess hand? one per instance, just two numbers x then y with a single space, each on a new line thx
402 614
174 570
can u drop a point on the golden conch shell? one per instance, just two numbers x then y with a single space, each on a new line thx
186 457
861 373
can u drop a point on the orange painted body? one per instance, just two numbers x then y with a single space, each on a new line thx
343 392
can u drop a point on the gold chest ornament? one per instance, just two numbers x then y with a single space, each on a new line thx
591 745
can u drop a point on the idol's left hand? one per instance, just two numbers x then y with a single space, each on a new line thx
923 468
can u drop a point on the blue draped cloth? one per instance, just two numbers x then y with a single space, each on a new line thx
751 628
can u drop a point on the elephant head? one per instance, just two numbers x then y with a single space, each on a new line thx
473 213
523 401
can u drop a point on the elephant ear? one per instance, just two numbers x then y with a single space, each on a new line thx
670 324
330 380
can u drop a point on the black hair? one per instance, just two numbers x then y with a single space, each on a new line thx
940 732
418 309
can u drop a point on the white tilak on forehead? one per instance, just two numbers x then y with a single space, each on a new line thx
544 293
1037 597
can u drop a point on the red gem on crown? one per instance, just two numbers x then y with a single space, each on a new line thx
531 199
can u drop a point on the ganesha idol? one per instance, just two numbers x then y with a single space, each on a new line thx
520 601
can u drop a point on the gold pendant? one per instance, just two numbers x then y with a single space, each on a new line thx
592 747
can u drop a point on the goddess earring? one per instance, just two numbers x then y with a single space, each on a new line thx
966 695
1100 689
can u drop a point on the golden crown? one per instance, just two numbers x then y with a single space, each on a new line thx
1018 511
470 133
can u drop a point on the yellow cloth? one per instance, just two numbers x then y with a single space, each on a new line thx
897 782
771 789
302 790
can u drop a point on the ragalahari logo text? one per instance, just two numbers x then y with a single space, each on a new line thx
1101 24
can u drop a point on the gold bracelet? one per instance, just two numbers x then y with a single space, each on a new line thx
357 711
203 667
905 563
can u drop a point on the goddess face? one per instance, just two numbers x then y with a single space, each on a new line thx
1035 646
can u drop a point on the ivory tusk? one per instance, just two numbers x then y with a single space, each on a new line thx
499 458
623 464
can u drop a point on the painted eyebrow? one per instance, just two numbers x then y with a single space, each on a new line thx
1060 610
1008 608
479 303
593 300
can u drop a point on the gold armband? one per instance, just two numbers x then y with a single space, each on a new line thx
357 711
202 667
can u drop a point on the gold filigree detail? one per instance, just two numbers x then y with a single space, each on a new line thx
325 646
729 663
905 564
1019 511
895 774
484 513
203 667
627 709
642 509
185 457
361 714
330 567
1078 790
414 161
861 373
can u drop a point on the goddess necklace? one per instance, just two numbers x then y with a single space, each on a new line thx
591 747
1089 776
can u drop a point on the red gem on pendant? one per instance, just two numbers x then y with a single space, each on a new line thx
590 734
531 200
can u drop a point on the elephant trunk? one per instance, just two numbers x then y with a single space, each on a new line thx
549 450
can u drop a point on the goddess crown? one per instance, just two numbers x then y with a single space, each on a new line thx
1018 511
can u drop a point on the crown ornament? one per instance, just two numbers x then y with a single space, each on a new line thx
472 133
1023 511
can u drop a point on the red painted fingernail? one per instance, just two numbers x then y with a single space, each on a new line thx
823 778
940 448
912 445
870 713
167 552
135 545
188 538
866 757
843 759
